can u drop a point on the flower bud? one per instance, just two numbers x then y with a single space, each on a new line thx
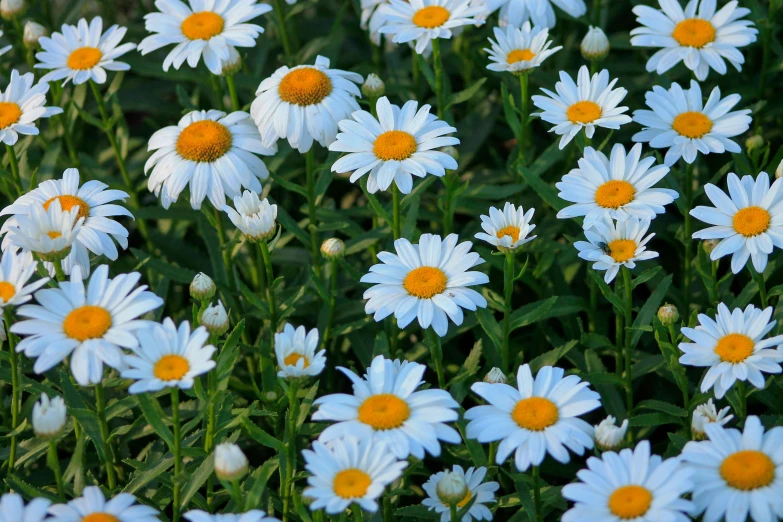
215 319
32 32
495 376
595 45
333 248
3 336
779 170
608 436
705 414
668 314
234 62
452 488
10 9
451 151
49 417
230 462
373 87
709 245
202 288
754 142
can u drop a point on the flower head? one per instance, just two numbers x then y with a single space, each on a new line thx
202 288
519 50
47 231
13 509
609 436
254 217
92 505
507 229
705 414
254 515
595 45
49 416
296 354
21 105
333 248
16 269
463 487
540 13
495 376
215 319
373 86
668 314
33 31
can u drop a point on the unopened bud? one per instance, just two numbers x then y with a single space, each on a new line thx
234 62
754 142
333 248
3 336
709 245
215 319
202 288
373 87
452 488
10 9
49 417
608 436
668 314
33 31
230 462
495 376
595 45
779 170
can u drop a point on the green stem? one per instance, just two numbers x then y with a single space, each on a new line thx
619 334
283 26
537 494
508 290
688 196
766 45
270 294
437 355
311 211
232 92
53 461
685 397
438 66
628 338
57 92
332 302
715 286
448 206
14 164
287 485
453 513
209 437
223 240
358 516
100 407
396 228
415 73
236 495
177 451
595 14
59 273
524 132
742 395
759 278
16 389
388 515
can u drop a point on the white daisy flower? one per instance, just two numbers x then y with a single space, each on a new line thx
609 436
611 245
6 48
705 414
305 103
427 282
82 52
737 474
212 152
539 12
630 485
94 202
748 220
483 492
48 417
254 217
681 122
13 509
587 104
90 325
207 28
371 19
385 407
21 104
400 143
347 471
618 186
507 229
700 37
733 347
519 50
46 230
540 416
296 354
16 269
92 505
254 515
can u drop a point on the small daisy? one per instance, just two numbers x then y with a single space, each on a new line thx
699 37
212 152
630 485
295 350
483 492
305 103
385 407
748 220
47 231
12 508
737 474
705 414
400 143
21 104
347 471
539 12
89 324
207 28
619 186
519 50
254 515
507 229
587 104
93 506
49 416
427 282
254 217
611 245
82 52
733 347
540 416
16 269
683 123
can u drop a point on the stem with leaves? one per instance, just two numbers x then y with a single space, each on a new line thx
628 302
438 66
396 228
16 389
311 211
332 302
687 231
508 290
437 355
53 461
232 92
14 165
524 131
263 246
537 494
100 408
759 279
283 26
177 453
287 491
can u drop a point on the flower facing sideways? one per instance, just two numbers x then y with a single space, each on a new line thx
21 105
295 349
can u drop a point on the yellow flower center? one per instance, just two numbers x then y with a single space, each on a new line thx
171 367
425 282
510 230
630 501
87 322
394 145
100 517
84 58
748 470
692 124
305 86
292 359
584 112
431 16
520 55
464 502
351 483
204 141
68 202
751 221
535 413
384 411
734 348
7 291
54 234
694 32
9 114
614 194
202 26
622 250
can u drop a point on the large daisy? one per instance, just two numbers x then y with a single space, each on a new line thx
93 506
478 492
21 104
507 229
539 12
212 152
518 50
699 36
427 281
385 407
399 144
16 269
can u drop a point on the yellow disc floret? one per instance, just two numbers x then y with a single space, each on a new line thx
171 367
351 483
614 194
747 470
202 26
694 32
394 145
425 282
305 86
384 411
87 322
584 112
9 114
751 221
431 16
204 141
535 413
630 501
734 348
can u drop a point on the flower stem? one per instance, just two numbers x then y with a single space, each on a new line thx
287 485
311 211
388 515
508 289
524 131
232 92
223 240
438 66
236 495
619 334
270 294
283 26
59 273
57 92
453 513
332 302
595 14
688 195
14 164
53 461
685 397
16 389
437 355
628 338
209 437
396 229
100 407
176 450
537 493
358 516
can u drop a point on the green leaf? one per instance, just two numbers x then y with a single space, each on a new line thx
532 313
652 419
663 407
466 94
509 109
197 479
261 436
490 326
154 414
89 421
607 291
650 308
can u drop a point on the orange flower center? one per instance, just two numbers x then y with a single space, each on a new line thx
87 322
292 359
692 124
694 32
751 221
425 282
394 145
100 517
748 470
7 291
464 502
520 55
68 202
622 250
84 58
535 413
431 16
734 348
584 112
614 194
171 367
204 141
384 411
9 114
511 231
351 483
630 501
202 26
305 86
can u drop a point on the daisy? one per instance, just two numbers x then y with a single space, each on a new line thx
385 407
608 436
12 508
507 229
213 152
347 471
82 52
47 231
589 103
681 122
254 217
296 354
519 50
539 12
611 245
399 144
21 104
91 325
92 505
618 186
304 103
737 474
16 269
699 37
167 357
94 202
254 515
483 492
207 28
748 220
733 347
427 282
540 416
630 485
705 414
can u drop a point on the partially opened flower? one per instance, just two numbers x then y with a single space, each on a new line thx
609 436
47 231
253 216
49 416
507 229
539 12
476 490
518 50
705 414
13 508
295 349
16 269
93 506
21 105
